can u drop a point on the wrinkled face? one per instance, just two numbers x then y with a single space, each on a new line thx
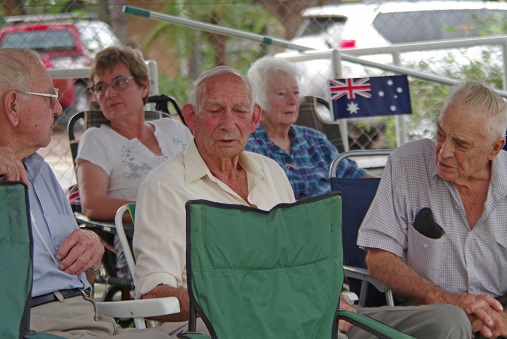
37 113
283 100
225 120
463 150
118 95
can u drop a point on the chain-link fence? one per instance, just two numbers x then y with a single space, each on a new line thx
68 33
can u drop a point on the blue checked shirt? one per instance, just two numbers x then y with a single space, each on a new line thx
308 164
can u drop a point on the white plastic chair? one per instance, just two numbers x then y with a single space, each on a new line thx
140 308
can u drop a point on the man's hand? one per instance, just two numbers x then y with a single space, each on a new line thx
344 326
11 168
161 291
80 251
486 315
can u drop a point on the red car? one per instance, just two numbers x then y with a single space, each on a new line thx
62 45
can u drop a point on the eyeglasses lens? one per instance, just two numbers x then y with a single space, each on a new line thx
117 84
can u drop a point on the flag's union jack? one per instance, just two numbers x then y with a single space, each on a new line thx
350 88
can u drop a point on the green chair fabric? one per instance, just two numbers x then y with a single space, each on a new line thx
16 252
269 274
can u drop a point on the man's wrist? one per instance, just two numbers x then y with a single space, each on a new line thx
93 269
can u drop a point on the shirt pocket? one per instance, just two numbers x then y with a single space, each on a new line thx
424 254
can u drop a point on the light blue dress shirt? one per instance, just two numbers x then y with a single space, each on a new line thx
52 219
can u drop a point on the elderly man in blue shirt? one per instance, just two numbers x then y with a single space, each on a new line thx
65 258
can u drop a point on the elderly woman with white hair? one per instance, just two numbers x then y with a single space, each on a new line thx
305 154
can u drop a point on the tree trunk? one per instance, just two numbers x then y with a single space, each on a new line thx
288 12
218 42
118 19
12 7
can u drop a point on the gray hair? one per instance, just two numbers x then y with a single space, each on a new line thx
197 95
259 75
17 67
480 99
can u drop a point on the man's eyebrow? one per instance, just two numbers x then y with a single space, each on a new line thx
212 102
462 141
240 105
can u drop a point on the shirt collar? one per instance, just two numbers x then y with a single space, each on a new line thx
498 183
298 141
33 164
196 168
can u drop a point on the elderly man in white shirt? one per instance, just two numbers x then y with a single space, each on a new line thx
222 114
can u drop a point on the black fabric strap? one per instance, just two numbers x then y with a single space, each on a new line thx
50 297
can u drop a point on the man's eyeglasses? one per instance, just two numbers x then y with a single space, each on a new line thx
117 84
54 96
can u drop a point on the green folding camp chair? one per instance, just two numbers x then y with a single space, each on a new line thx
269 274
16 253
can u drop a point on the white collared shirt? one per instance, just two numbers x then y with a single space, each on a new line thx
159 239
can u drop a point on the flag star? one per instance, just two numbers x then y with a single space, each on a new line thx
390 82
381 93
392 108
352 108
399 90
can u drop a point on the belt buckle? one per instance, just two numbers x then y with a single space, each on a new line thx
85 293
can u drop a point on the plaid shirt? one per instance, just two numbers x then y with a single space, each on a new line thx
308 164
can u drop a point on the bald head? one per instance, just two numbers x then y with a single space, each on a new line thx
198 94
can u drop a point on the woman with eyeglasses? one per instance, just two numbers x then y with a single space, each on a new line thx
113 160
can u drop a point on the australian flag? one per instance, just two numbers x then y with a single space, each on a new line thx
365 97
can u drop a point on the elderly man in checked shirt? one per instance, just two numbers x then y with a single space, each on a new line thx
305 154
436 230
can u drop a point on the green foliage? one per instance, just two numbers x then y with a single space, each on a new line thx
241 15
428 97
478 63
177 87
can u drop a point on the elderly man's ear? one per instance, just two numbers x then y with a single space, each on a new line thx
256 117
11 107
497 147
189 116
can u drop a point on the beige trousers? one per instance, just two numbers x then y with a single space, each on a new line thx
77 318
438 321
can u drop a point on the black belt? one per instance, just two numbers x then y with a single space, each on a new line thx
50 297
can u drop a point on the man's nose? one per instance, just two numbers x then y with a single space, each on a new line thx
228 120
447 149
57 108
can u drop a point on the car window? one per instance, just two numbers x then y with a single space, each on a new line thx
407 27
47 40
97 38
317 25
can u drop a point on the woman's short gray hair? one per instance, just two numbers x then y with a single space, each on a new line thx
197 95
480 99
258 75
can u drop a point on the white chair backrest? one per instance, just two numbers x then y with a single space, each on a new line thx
120 231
